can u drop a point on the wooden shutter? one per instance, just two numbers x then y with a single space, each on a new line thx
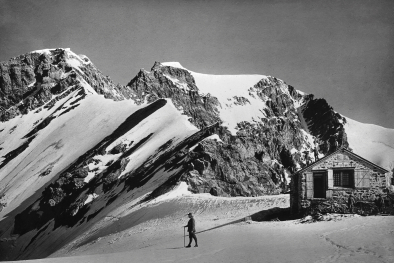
361 178
330 179
358 178
366 179
309 185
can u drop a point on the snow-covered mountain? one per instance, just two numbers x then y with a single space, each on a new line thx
75 146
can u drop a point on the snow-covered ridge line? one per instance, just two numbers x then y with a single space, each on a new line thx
251 79
174 65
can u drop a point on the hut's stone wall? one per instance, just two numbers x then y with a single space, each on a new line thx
368 182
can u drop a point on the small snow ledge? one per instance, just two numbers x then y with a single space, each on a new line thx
173 64
90 198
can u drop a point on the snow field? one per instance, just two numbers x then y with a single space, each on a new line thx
351 240
153 232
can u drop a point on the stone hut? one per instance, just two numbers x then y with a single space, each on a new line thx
334 177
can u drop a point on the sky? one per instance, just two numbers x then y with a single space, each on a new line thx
342 51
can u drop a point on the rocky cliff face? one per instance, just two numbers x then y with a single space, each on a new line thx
82 146
326 124
31 80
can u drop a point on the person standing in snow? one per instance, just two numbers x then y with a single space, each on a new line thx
191 228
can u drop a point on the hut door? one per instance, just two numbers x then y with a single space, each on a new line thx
319 186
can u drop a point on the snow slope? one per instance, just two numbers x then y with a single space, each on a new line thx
371 142
79 123
351 240
225 88
66 138
126 227
228 89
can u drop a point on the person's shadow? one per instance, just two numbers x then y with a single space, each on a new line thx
175 247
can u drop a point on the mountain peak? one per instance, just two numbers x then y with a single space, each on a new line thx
48 50
78 59
39 77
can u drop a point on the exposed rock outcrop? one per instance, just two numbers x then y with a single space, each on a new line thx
325 124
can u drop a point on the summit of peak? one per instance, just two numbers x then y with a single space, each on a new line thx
48 50
173 64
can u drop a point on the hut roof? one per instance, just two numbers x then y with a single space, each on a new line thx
346 151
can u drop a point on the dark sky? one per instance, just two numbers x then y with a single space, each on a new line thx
342 51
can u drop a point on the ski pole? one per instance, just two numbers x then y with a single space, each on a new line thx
184 237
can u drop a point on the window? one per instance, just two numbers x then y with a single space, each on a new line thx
343 178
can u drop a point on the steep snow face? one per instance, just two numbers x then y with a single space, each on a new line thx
228 89
371 142
160 125
240 96
236 94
